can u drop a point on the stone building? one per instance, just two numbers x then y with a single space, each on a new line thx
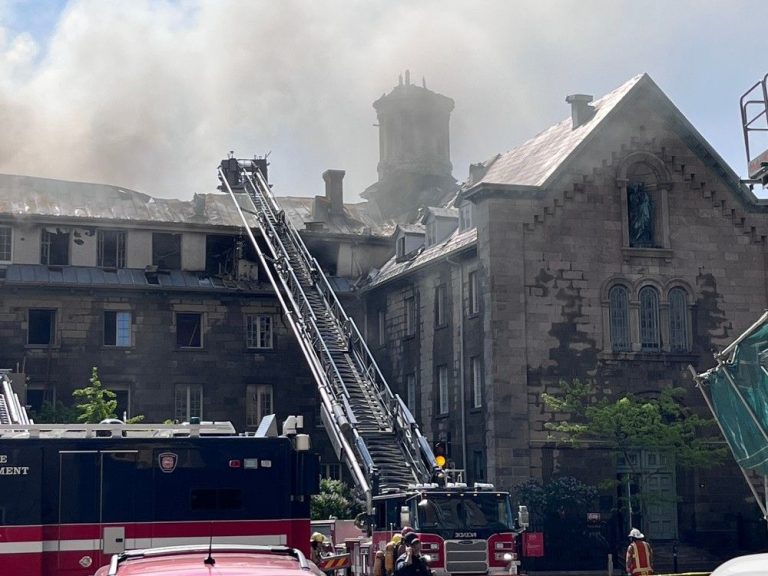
614 246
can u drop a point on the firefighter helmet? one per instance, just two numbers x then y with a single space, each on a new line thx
317 537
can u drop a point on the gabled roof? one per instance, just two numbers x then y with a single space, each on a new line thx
537 162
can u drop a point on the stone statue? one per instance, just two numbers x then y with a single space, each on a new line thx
641 213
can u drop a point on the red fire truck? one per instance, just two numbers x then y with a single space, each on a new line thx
71 496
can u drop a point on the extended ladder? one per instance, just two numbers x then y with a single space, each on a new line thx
370 428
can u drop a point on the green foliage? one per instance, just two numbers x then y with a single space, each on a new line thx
628 424
335 499
558 498
97 403
50 413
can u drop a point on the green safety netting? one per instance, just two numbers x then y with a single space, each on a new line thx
738 392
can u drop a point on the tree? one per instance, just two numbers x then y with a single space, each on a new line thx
335 499
628 424
98 403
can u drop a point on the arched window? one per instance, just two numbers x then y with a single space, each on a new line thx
678 320
650 339
619 315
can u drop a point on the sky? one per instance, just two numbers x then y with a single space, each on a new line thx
151 95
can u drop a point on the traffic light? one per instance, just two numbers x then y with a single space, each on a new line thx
441 457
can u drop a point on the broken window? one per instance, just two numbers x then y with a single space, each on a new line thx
189 330
6 236
111 249
166 250
54 248
42 327
117 328
221 255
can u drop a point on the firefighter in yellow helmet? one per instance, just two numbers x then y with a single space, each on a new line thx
316 545
391 553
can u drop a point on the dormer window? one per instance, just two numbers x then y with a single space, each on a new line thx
431 233
465 216
401 247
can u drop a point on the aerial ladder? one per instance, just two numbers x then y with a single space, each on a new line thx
371 429
12 411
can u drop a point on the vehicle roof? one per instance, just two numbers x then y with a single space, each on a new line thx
229 562
751 565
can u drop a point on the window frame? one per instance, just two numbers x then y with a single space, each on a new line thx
473 299
255 410
679 332
441 304
160 262
117 329
52 327
47 244
443 390
201 330
619 319
188 391
649 319
410 392
253 338
476 375
6 243
465 216
119 240
382 322
409 305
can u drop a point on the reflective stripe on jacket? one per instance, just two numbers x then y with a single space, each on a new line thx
639 557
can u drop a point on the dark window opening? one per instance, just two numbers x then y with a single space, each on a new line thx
166 250
117 328
222 254
54 248
42 327
188 330
111 249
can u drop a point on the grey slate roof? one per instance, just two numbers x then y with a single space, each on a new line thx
533 162
84 276
356 220
454 243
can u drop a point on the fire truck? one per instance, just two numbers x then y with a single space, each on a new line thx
465 529
71 496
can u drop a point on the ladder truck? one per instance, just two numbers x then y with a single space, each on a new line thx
464 529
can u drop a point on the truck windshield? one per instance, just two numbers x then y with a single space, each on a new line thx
472 511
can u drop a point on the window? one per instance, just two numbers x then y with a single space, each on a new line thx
188 402
431 232
478 465
619 317
401 247
258 331
189 330
42 327
474 301
54 248
111 249
6 244
650 340
410 316
166 250
440 304
330 470
678 320
37 397
123 399
465 216
442 388
258 403
117 328
410 391
382 327
476 369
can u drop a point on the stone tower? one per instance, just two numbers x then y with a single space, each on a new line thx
414 151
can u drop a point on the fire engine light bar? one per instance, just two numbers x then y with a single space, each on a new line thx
234 463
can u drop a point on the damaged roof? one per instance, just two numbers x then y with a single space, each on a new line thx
356 220
454 243
22 196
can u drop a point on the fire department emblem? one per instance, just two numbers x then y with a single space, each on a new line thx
167 461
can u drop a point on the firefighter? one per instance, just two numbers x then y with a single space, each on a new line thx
401 548
378 564
412 563
639 555
316 547
391 553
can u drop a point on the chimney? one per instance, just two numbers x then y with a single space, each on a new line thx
334 191
581 111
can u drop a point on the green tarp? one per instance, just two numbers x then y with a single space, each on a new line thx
738 393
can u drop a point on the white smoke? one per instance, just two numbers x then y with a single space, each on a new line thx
151 95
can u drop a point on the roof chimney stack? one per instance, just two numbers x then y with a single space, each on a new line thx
581 111
334 191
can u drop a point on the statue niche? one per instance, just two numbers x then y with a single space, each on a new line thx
641 216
